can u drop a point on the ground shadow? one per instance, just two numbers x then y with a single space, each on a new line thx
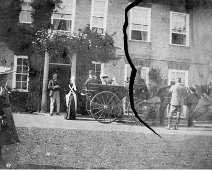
34 166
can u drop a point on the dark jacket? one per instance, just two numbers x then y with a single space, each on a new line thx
51 85
91 81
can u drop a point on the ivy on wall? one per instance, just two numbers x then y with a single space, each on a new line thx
155 75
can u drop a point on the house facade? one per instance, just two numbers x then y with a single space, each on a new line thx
165 35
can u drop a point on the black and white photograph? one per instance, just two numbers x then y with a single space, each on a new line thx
105 84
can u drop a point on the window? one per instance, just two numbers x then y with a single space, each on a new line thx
21 73
98 68
25 14
99 15
179 29
63 18
144 73
140 22
173 74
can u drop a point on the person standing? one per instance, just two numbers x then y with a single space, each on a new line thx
8 133
71 101
177 100
54 94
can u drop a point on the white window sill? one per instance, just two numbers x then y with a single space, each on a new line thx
139 41
179 45
19 90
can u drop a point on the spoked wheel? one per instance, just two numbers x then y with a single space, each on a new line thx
105 107
130 111
146 111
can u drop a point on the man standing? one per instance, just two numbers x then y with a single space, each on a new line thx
91 79
54 94
177 99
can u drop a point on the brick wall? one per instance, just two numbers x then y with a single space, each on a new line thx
159 48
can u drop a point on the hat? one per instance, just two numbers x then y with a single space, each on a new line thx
91 72
178 80
5 70
104 75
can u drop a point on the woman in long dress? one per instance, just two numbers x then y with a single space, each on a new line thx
8 133
71 101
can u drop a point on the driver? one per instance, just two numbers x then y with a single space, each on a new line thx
91 79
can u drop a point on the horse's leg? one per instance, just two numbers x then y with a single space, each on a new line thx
178 117
172 110
191 114
162 109
163 106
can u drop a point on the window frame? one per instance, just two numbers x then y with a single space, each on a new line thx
72 19
149 24
187 28
15 72
180 71
102 67
105 16
127 66
26 11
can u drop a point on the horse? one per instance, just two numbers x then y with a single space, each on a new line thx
193 101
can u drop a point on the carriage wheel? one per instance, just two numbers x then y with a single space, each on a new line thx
130 111
105 107
146 111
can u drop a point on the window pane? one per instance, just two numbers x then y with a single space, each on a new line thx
179 22
24 85
98 30
139 35
19 69
18 77
25 69
178 39
24 77
66 7
98 67
139 16
19 61
64 25
25 62
139 27
18 85
99 8
98 22
143 74
129 71
25 17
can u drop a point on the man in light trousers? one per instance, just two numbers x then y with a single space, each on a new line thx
54 94
177 100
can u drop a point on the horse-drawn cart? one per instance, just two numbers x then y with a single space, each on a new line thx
104 102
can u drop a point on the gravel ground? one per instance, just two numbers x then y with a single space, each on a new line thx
42 148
